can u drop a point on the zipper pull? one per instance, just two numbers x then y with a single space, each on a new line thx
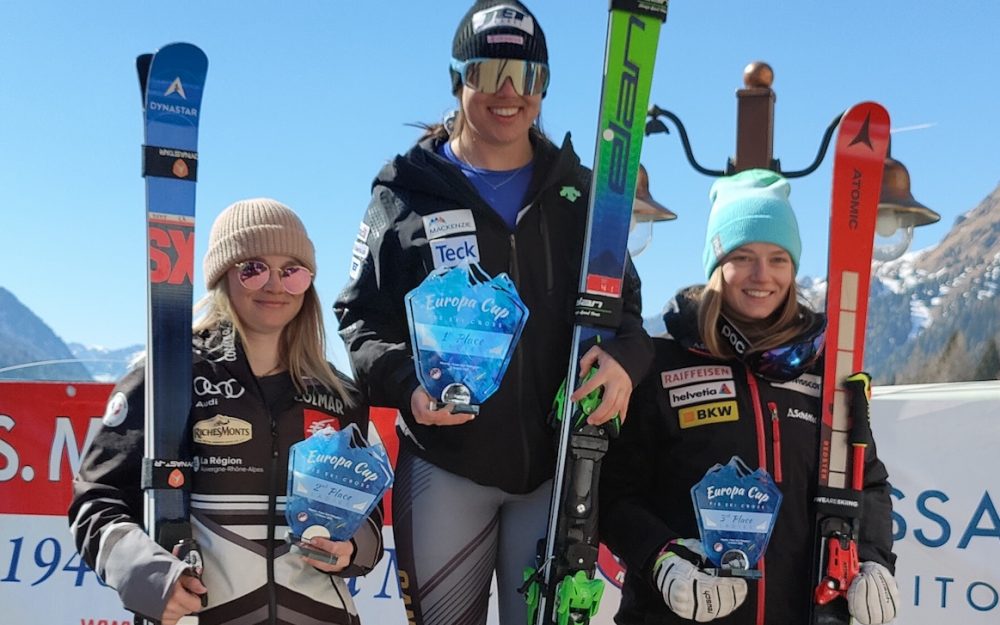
776 439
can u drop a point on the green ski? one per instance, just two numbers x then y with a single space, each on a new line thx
562 588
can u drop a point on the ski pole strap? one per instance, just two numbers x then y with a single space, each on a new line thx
169 163
165 474
839 502
598 310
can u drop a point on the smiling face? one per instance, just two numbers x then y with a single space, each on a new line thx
757 277
500 119
269 309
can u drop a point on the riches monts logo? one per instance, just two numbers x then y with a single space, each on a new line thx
222 430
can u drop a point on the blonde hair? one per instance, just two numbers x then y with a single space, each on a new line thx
303 341
791 320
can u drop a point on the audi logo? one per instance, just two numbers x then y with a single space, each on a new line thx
229 389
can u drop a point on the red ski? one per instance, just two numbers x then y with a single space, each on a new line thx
862 143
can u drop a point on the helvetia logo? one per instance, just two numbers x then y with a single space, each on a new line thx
701 392
222 430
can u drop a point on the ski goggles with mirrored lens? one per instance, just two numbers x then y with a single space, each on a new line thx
489 75
785 362
254 274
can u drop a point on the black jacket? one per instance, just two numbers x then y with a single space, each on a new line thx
509 444
240 431
673 436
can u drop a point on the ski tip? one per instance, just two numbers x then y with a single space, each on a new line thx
142 63
192 54
866 124
185 63
868 109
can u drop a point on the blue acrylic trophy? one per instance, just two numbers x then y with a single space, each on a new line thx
736 510
335 480
464 326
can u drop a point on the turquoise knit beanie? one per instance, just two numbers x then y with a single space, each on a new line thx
750 207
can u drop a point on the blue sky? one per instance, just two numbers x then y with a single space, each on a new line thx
305 100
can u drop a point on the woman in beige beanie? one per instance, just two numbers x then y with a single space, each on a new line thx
261 383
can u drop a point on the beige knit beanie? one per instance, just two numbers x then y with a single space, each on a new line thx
255 227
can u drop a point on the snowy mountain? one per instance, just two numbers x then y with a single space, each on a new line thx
107 365
934 314
29 349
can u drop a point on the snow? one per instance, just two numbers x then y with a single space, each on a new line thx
920 318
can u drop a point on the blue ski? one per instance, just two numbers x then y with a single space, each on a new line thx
171 81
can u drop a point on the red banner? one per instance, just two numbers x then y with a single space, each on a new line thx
46 426
384 420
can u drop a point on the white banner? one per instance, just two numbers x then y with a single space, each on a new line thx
940 443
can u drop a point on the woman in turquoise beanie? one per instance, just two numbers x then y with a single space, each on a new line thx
738 374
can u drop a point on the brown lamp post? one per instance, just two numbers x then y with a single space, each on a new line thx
899 212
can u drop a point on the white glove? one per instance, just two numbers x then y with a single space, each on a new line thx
691 592
873 596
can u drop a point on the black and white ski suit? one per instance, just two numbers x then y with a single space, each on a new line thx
241 428
691 412
425 214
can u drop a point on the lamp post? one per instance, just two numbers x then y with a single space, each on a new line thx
899 212
645 212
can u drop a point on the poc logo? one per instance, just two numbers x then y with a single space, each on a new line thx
736 341
795 413
455 251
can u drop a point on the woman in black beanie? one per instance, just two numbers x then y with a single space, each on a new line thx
471 495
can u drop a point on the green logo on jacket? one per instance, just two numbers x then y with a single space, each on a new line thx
570 193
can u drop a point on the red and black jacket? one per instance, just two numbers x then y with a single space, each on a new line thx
691 412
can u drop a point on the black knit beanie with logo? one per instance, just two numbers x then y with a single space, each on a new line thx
498 29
